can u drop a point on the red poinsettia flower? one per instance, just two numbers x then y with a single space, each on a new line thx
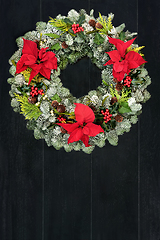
123 62
84 127
39 61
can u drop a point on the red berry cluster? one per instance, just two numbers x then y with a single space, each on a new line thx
107 115
35 91
76 28
127 81
61 119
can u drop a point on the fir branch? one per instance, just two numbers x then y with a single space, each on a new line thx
30 111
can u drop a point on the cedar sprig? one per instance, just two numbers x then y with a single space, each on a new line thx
30 111
107 26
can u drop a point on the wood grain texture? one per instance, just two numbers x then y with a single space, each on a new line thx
112 194
149 30
20 153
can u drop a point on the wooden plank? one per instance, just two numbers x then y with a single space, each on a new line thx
115 169
67 183
20 153
148 26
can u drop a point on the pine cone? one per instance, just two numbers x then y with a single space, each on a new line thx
63 130
92 22
119 86
115 80
113 100
118 118
54 104
64 45
92 107
32 100
98 25
61 108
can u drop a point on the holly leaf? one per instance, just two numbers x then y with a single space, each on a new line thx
52 35
98 39
81 34
66 20
122 36
56 46
56 97
124 108
81 19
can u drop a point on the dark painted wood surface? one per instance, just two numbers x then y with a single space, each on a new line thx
114 193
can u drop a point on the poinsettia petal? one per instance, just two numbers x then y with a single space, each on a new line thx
46 72
30 59
49 60
21 66
118 75
114 55
75 136
121 49
34 72
70 127
108 63
83 113
92 129
43 54
30 48
85 140
134 59
115 41
118 66
20 69
128 43
120 45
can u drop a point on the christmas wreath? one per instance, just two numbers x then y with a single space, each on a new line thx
52 112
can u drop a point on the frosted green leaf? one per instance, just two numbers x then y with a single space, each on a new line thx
10 80
112 138
120 28
88 150
31 124
147 95
68 148
38 134
134 119
14 103
51 92
19 42
40 26
56 144
12 70
44 107
73 15
52 119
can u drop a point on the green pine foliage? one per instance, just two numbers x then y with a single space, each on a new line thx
30 111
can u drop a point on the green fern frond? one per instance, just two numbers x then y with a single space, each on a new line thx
29 110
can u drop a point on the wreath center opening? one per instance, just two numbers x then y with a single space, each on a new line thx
81 77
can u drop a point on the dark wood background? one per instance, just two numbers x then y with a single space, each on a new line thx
112 194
